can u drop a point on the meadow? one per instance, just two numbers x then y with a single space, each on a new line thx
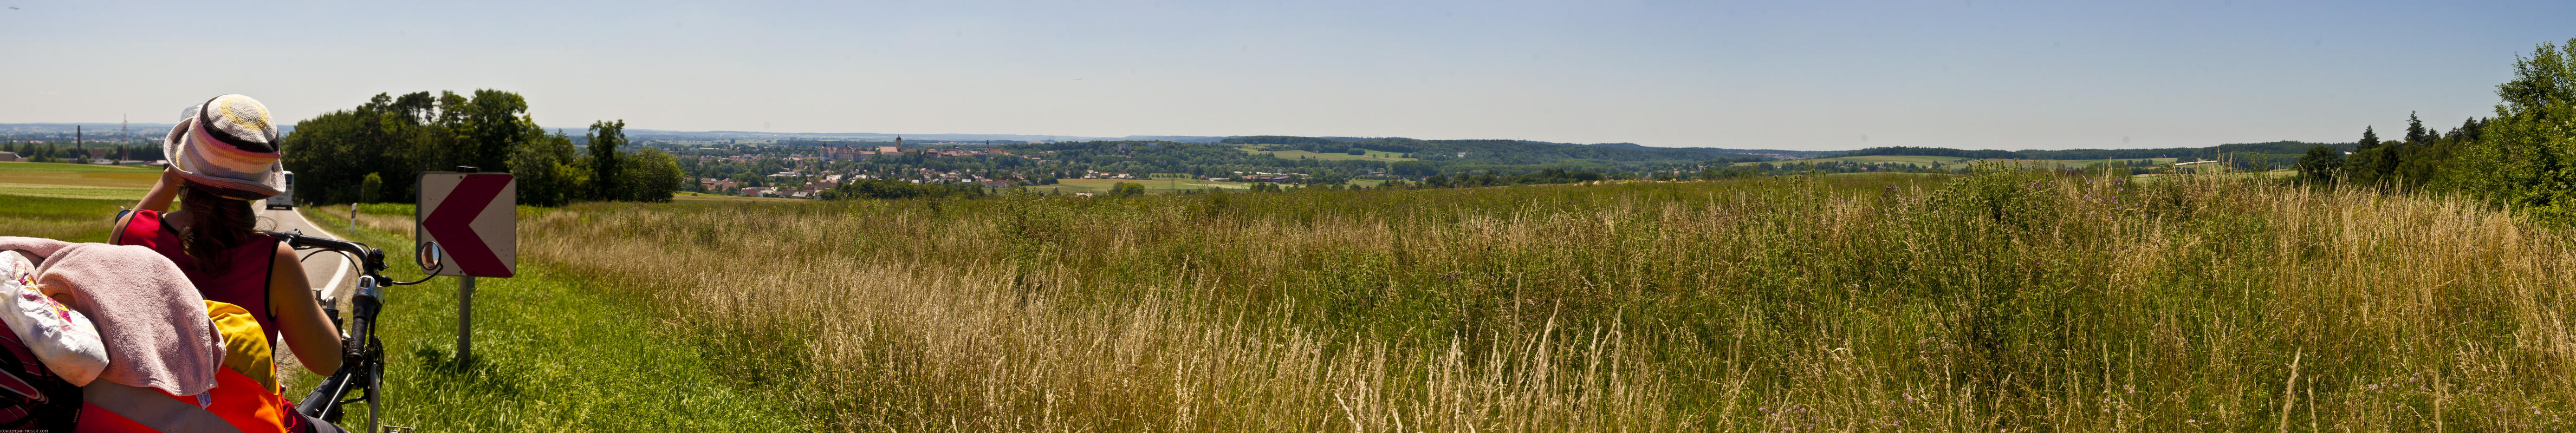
2001 301
70 202
2004 301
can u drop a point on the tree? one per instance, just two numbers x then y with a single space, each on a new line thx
605 137
2369 139
2320 165
493 123
2522 157
2415 130
648 175
1126 189
547 173
371 190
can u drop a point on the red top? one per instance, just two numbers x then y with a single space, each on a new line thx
243 283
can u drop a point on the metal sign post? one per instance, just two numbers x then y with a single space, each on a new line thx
471 221
464 319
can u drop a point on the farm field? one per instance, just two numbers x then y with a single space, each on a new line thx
2004 301
109 176
67 201
1301 154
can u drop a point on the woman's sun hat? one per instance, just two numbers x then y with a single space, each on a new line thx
229 147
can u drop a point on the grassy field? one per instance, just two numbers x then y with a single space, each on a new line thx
2003 301
72 202
1996 302
1301 154
46 173
552 352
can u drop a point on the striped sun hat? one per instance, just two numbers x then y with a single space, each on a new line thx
228 146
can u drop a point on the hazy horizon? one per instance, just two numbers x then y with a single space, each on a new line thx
1803 76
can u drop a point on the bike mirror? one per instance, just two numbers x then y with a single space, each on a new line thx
428 255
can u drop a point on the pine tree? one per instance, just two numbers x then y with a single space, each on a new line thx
2369 139
2415 130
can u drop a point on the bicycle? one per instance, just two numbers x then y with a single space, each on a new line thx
362 357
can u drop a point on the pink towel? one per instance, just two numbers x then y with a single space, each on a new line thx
150 316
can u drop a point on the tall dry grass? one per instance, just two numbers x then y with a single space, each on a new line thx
2004 301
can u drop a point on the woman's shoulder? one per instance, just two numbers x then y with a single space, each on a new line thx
139 227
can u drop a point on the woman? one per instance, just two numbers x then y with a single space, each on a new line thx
223 156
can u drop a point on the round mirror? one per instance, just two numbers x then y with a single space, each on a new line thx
429 254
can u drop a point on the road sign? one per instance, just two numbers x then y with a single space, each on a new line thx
474 219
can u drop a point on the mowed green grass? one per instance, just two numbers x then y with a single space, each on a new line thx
63 218
66 201
46 173
552 352
1301 154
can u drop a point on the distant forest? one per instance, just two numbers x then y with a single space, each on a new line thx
2292 149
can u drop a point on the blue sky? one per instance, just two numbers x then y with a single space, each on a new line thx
1787 75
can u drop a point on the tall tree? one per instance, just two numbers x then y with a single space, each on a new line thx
2415 130
605 137
2369 139
2523 156
495 122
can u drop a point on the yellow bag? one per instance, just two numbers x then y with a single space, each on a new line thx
246 348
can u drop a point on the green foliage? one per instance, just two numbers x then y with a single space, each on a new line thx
604 138
648 175
2320 165
2289 148
2525 157
1127 189
372 189
397 138
548 173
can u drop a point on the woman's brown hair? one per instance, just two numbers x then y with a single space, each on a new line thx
214 224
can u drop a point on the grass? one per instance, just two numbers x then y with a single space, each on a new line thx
19 174
552 352
1998 302
64 201
72 192
2003 301
53 217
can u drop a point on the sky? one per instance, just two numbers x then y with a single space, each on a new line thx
1807 75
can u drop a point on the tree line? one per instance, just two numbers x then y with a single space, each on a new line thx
2524 157
376 152
2282 149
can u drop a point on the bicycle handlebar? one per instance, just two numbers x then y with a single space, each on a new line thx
362 357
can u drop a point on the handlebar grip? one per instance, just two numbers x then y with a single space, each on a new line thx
374 258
